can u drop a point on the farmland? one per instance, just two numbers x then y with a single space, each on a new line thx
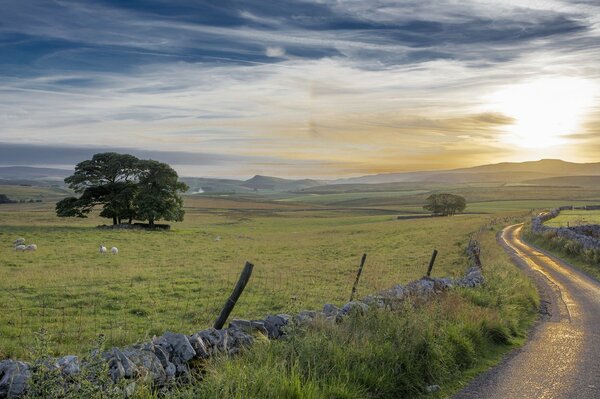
305 250
575 218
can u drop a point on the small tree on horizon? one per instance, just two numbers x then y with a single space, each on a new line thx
445 204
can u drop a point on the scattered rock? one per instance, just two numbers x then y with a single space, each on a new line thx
13 378
354 306
68 365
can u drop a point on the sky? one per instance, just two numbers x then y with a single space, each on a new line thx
321 89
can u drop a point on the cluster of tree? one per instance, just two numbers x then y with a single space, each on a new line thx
5 200
445 204
126 187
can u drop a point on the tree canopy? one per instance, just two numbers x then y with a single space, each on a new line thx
126 187
445 204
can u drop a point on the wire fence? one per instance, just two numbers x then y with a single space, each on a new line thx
135 309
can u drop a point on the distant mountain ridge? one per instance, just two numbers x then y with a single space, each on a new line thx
542 172
505 172
33 173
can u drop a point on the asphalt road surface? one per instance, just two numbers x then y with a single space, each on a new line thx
562 356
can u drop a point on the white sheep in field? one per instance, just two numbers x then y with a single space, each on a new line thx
19 241
20 248
114 250
102 249
31 247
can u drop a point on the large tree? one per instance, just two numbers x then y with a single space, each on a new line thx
445 204
126 187
107 180
158 196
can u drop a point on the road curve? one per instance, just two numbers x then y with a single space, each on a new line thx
561 359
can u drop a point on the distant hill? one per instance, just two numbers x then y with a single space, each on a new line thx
567 181
256 184
259 182
507 172
542 172
33 174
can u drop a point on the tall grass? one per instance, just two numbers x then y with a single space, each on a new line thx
573 252
386 354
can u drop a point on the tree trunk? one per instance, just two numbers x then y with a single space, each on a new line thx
151 223
114 220
130 220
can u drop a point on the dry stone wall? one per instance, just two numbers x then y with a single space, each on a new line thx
588 236
166 358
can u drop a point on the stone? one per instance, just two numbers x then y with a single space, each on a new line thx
238 339
355 306
68 365
176 345
442 284
249 325
199 346
421 288
147 364
330 310
306 316
119 366
274 325
215 340
13 378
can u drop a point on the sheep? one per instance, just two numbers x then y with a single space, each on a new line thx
114 250
31 247
19 241
102 249
20 248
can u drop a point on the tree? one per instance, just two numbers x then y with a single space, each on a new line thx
5 200
107 179
445 204
158 193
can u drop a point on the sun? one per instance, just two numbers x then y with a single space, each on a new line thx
545 111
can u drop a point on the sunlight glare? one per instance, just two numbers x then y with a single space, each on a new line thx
545 111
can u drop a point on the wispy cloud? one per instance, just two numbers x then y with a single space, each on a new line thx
349 86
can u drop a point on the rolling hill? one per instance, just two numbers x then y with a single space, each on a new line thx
506 172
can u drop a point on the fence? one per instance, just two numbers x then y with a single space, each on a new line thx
130 310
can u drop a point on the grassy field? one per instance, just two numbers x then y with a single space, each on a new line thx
305 255
27 193
575 218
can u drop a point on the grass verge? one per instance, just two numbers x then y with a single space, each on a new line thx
387 354
568 250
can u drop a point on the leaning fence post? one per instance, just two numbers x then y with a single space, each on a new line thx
431 261
362 263
235 295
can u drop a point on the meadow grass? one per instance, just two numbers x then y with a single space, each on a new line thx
575 218
386 354
177 280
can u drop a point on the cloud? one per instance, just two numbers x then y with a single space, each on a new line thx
272 51
350 85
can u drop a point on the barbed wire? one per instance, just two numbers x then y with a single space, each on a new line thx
134 309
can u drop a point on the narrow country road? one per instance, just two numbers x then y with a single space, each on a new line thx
562 356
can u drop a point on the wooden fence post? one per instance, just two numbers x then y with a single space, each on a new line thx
362 263
431 261
235 295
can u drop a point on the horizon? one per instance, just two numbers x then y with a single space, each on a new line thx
317 89
68 168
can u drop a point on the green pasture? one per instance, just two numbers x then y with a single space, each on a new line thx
305 254
32 192
178 280
575 218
